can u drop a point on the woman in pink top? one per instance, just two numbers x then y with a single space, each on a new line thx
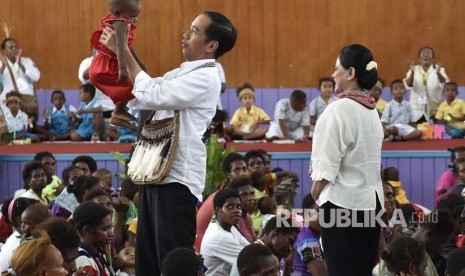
448 178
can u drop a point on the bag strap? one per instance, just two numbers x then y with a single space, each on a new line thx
15 85
205 65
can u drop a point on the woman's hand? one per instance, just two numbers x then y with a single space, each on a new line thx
107 38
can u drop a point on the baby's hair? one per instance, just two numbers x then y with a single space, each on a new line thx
396 81
103 172
129 189
89 88
89 214
38 211
403 251
58 92
326 79
66 172
391 174
265 203
424 48
251 257
244 86
298 95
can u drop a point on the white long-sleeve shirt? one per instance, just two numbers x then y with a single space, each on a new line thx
195 94
24 79
425 99
220 249
346 151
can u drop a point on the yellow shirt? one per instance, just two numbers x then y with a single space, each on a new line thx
243 120
380 106
456 108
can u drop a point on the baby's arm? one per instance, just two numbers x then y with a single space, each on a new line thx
121 34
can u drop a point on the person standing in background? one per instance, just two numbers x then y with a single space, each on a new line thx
426 82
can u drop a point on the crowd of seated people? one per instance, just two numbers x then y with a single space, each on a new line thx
86 226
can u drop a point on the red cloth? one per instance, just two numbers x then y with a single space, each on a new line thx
245 227
5 230
363 99
104 70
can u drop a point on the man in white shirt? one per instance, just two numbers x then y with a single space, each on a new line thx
167 211
426 81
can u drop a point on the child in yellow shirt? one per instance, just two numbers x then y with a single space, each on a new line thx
375 92
247 119
451 112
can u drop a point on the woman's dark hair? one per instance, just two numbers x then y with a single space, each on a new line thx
81 185
223 195
66 172
6 40
455 150
222 30
358 57
19 205
403 251
27 172
61 232
86 159
89 214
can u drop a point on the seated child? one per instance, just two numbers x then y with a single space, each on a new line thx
59 120
459 171
18 123
291 119
108 71
247 119
89 116
451 112
127 262
448 179
375 92
31 217
122 134
397 116
319 104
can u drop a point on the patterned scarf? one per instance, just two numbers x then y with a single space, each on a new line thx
360 97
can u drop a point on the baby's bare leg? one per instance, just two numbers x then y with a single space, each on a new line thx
121 117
